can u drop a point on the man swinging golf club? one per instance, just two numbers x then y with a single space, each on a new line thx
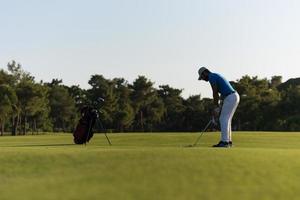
230 100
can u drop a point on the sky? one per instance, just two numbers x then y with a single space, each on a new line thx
164 40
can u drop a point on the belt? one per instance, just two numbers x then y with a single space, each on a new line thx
226 95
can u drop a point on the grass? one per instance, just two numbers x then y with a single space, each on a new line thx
262 165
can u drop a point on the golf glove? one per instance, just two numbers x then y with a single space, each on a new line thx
216 112
214 121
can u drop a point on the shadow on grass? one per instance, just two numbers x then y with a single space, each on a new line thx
39 145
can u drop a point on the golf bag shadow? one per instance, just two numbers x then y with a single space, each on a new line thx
84 129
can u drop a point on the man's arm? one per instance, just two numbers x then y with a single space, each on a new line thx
216 110
215 95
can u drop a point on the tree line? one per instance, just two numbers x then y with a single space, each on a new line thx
30 106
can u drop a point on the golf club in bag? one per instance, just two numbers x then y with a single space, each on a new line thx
84 129
211 121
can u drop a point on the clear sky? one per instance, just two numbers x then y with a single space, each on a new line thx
165 40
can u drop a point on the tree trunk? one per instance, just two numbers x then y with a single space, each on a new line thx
2 124
142 121
24 126
2 127
13 130
63 126
15 121
121 127
19 127
34 126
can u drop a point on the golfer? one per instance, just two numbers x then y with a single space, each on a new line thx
230 99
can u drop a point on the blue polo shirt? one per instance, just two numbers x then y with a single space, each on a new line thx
224 87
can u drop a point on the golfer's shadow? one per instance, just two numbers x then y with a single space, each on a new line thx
40 145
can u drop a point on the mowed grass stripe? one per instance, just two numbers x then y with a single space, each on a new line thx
150 166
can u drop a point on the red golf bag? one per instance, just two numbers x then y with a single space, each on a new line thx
84 129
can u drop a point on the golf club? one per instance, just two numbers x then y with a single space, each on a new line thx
196 142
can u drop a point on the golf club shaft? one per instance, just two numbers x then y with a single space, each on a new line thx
202 133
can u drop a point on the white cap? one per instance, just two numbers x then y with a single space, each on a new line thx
200 71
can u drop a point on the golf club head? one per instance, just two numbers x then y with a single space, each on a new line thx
100 99
98 102
190 145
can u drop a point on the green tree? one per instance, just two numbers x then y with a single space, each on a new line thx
31 97
39 109
259 98
143 95
289 108
32 100
8 100
6 78
276 81
106 89
154 113
124 115
197 112
62 108
174 109
79 95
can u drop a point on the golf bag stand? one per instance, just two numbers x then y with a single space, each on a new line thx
105 131
84 129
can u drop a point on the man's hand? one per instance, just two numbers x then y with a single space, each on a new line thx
216 112
214 121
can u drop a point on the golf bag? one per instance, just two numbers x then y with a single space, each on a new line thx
84 129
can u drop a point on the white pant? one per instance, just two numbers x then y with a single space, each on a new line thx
230 104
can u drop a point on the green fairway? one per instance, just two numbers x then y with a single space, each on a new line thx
150 166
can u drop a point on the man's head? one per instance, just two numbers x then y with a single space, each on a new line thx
203 74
